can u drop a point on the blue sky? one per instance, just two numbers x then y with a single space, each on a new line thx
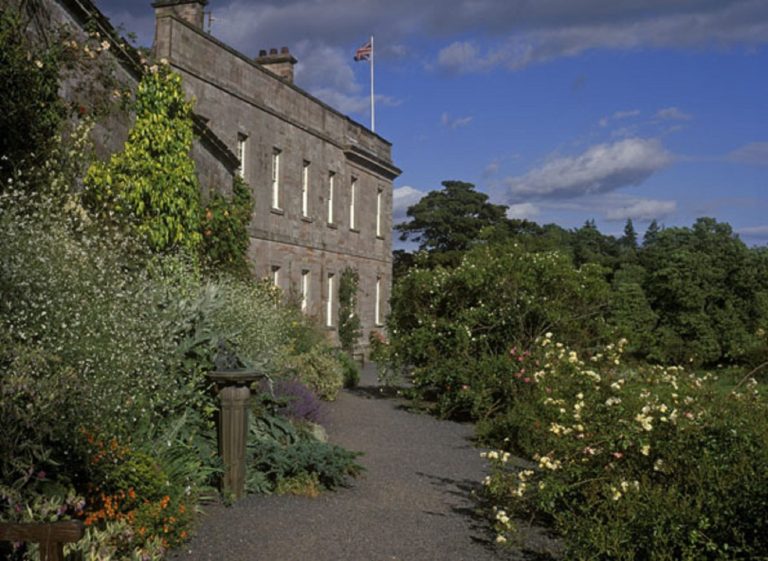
565 110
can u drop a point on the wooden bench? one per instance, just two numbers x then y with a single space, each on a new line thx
51 537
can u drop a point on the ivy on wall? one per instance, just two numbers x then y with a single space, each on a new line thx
349 321
31 112
224 226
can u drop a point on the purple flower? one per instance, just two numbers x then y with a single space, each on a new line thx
302 403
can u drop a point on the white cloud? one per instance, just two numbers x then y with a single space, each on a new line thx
402 198
642 209
525 32
755 154
672 114
523 211
600 169
626 114
454 122
759 232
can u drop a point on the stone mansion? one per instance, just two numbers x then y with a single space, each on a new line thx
321 182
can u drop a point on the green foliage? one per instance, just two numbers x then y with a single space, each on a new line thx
319 368
350 369
287 459
451 219
95 374
703 284
152 184
445 323
224 225
31 112
349 322
647 463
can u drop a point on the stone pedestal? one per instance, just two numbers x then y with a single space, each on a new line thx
234 397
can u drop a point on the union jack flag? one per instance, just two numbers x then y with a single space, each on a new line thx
364 52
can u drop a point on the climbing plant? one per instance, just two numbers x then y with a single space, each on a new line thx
152 183
31 112
349 321
224 225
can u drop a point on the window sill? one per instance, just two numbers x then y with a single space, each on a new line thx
307 219
332 226
354 230
382 238
275 210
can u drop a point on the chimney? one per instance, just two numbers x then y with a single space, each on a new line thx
191 11
279 63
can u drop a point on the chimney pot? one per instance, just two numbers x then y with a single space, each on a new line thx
273 51
285 51
263 52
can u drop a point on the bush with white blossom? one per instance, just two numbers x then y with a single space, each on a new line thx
652 463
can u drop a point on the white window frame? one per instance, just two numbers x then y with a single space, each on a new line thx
329 300
379 201
331 188
377 303
276 275
353 203
305 280
242 153
305 190
276 153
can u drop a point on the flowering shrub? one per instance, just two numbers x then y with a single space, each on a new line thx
454 327
296 401
633 463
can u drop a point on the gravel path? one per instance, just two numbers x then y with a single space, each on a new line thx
413 503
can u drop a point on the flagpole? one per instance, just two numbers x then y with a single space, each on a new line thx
373 103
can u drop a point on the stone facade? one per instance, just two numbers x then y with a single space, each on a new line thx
322 183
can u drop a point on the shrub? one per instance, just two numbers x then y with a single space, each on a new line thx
296 401
647 463
350 368
454 327
320 369
287 458
152 184
99 346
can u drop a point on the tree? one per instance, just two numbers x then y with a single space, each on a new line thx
451 219
629 239
652 233
152 182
